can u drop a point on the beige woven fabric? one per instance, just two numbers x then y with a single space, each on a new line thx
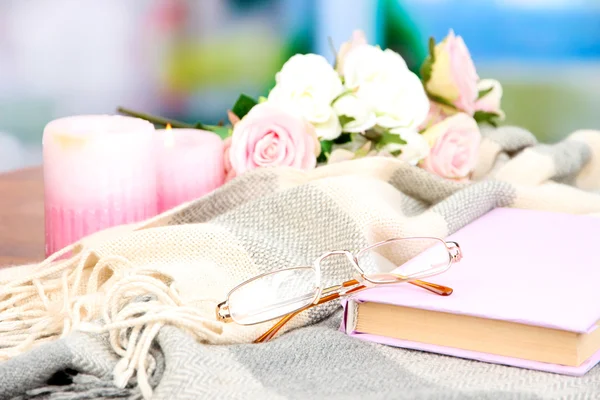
173 269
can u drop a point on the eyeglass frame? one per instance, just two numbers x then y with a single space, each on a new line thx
454 252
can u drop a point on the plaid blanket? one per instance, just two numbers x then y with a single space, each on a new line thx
130 313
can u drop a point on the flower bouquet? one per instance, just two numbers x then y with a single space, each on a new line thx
366 103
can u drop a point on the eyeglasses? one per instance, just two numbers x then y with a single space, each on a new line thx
287 292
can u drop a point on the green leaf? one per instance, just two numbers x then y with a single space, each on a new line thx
243 105
388 138
441 100
427 66
486 117
343 138
484 92
426 69
223 131
326 146
345 119
261 99
432 48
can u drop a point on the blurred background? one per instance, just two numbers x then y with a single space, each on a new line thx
190 59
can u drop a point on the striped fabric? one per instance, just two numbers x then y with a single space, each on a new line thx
173 269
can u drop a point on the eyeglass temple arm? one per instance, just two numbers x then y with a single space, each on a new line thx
268 335
433 287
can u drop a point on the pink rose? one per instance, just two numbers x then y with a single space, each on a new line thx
270 137
454 146
229 171
358 39
453 74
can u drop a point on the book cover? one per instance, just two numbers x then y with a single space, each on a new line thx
530 267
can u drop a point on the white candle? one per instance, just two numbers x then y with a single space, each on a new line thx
189 165
99 171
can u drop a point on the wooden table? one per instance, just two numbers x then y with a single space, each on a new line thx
21 217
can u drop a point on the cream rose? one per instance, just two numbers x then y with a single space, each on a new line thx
269 136
453 74
454 146
415 149
308 84
366 65
491 101
382 80
360 116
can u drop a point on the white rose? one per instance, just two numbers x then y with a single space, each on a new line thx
400 104
362 117
415 149
309 84
370 65
391 90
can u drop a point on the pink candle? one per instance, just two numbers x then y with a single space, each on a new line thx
99 171
189 165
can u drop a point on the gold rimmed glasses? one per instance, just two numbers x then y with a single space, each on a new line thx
286 292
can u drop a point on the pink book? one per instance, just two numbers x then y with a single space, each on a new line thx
530 267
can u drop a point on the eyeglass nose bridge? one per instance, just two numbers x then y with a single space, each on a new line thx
317 265
349 256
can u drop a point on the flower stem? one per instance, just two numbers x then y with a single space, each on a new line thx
371 135
339 96
154 119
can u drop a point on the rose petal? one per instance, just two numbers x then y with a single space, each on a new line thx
455 144
271 136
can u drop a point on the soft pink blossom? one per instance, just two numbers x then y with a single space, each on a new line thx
269 136
453 74
358 39
454 147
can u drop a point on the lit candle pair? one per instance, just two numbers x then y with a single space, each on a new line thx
106 170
